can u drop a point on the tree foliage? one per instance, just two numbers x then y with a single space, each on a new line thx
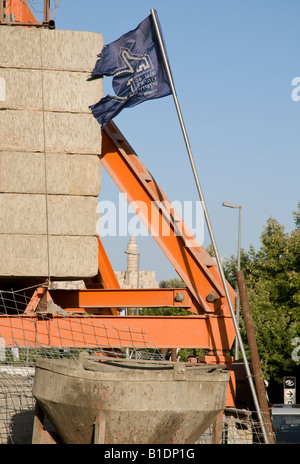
171 283
272 276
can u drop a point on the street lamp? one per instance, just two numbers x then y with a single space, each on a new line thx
230 205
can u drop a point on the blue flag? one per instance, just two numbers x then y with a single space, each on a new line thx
136 64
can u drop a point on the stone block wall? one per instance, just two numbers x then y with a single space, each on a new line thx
50 174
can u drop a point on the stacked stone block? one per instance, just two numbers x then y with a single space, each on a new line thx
50 173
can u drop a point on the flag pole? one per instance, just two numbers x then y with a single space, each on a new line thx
214 245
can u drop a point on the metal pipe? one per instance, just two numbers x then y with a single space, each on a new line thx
51 24
1 11
256 367
237 305
46 11
217 256
238 293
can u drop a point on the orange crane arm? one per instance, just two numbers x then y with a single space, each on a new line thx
193 264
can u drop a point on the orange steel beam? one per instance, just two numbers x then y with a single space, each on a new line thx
211 332
106 273
125 298
106 278
196 268
21 11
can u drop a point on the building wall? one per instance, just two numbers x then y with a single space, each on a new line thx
128 279
50 174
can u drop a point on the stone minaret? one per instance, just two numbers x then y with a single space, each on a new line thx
131 275
132 255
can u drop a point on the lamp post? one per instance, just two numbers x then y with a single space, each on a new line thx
237 308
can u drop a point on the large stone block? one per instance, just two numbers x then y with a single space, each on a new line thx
22 172
73 174
70 91
54 132
66 174
67 215
73 256
20 47
21 130
22 89
27 256
33 89
70 50
70 215
23 255
49 142
22 214
72 133
36 48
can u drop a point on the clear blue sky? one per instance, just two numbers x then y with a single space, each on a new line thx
233 63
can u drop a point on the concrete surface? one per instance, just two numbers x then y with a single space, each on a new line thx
55 132
67 174
27 256
55 49
62 90
19 214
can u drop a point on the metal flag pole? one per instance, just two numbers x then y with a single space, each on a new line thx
220 268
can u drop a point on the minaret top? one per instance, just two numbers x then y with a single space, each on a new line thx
132 255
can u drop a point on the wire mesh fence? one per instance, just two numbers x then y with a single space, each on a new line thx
37 7
26 336
239 427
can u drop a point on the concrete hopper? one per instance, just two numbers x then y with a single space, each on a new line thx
122 401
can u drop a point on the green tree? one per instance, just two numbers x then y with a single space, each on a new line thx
171 283
273 281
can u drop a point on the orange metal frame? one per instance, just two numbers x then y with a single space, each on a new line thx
21 12
104 297
191 261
